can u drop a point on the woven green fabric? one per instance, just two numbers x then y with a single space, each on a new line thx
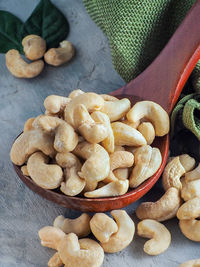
137 30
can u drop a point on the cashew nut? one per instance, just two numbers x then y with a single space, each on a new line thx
93 132
108 143
24 170
28 143
187 162
160 237
121 174
55 103
116 109
91 101
153 113
193 175
190 209
45 175
19 68
190 189
119 159
75 93
84 252
61 55
147 130
73 184
29 125
123 237
172 174
190 229
102 227
51 236
55 261
163 209
147 162
79 226
65 137
126 135
116 188
34 47
96 157
191 263
133 124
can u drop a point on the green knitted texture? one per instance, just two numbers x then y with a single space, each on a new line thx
137 30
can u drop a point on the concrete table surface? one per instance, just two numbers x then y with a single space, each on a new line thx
22 212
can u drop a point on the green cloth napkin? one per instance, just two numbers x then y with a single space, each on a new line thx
137 30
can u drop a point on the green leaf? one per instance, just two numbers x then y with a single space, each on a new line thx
48 22
10 28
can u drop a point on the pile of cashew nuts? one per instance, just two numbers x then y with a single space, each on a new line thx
92 145
67 237
35 48
181 182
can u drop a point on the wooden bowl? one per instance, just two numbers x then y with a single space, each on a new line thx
99 204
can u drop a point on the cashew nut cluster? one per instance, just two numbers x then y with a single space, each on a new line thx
34 49
84 145
64 236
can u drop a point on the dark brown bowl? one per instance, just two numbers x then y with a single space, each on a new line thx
100 204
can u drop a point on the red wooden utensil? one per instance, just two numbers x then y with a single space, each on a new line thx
161 82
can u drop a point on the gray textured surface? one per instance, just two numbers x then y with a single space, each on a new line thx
22 212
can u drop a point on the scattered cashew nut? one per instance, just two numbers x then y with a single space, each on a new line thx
79 226
51 236
190 229
189 210
60 55
34 46
190 190
160 237
123 237
21 69
163 209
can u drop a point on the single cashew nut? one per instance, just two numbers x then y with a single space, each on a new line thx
96 157
73 184
190 229
187 162
65 137
119 159
55 261
60 55
190 189
191 263
51 236
123 237
83 252
34 46
91 101
189 210
55 103
160 237
126 135
102 227
29 125
79 226
121 174
45 175
147 162
93 132
116 188
28 143
153 113
19 68
172 174
75 93
193 175
108 143
116 109
147 130
163 209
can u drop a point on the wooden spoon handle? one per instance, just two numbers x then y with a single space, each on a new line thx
164 79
